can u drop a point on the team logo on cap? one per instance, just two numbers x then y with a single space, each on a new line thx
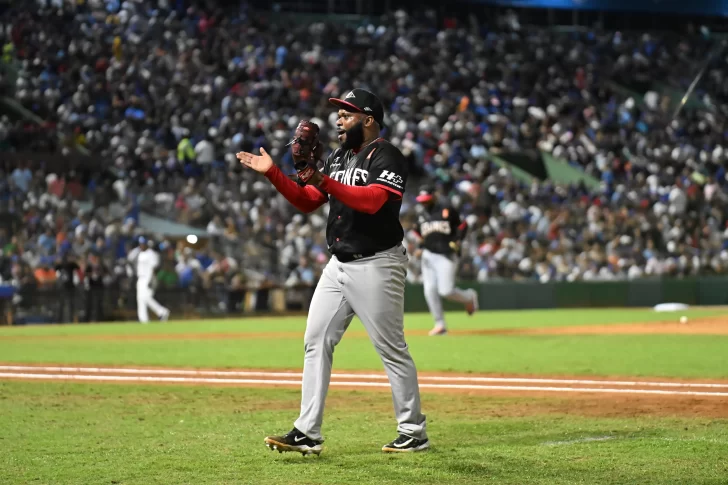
350 95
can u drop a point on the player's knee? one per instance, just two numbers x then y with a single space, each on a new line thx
445 291
392 352
318 342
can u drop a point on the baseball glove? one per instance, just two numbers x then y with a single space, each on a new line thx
306 150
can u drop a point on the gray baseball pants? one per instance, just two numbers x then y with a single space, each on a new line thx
373 289
438 280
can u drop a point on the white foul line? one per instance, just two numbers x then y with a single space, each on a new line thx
203 380
422 378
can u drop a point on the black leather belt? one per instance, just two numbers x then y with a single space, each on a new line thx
349 257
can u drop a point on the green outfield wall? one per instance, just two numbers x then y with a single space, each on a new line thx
510 295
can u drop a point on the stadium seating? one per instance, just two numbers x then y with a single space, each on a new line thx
163 97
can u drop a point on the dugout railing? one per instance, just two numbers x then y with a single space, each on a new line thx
37 305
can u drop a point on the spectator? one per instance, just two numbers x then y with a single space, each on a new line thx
167 276
68 277
95 280
167 96
45 275
302 281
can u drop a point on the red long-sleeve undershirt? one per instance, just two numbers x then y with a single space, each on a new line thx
308 198
367 199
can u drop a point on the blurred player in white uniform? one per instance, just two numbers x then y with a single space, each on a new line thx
146 261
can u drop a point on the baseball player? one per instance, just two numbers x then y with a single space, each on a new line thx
441 233
146 261
363 182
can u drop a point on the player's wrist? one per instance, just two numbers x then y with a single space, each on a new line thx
306 173
322 182
270 172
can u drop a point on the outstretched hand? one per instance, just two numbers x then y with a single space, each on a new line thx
260 163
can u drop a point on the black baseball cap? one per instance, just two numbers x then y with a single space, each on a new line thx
362 101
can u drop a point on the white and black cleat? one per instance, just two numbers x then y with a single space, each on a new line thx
406 444
294 441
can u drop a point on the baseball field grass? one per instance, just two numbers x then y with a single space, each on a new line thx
529 397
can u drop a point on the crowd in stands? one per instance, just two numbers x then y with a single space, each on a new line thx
164 93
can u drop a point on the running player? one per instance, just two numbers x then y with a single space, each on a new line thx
441 234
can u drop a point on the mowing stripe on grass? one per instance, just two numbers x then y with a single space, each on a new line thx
587 439
335 375
348 384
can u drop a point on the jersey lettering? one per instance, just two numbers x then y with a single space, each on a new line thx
351 176
438 228
429 227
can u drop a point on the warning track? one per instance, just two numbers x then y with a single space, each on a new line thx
428 382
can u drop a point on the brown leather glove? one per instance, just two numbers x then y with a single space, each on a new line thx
306 150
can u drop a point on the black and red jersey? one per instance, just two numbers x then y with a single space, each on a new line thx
438 227
379 164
